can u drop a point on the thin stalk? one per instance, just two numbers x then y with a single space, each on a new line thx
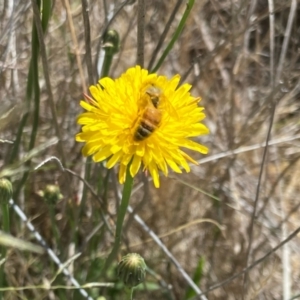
29 91
5 217
5 226
140 33
76 45
164 34
30 83
103 185
87 176
128 293
87 39
16 145
120 219
54 225
110 17
176 35
40 33
108 57
286 40
250 267
33 88
156 239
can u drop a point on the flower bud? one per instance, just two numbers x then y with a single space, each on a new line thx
132 269
6 190
51 194
111 41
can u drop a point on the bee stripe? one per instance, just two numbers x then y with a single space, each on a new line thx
141 134
143 131
147 125
148 122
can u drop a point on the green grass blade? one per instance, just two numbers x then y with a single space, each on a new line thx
176 35
190 293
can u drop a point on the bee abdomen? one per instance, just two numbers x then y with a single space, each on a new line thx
147 123
144 130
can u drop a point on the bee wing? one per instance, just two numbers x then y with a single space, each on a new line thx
170 107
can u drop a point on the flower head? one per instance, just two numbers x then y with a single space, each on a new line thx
141 119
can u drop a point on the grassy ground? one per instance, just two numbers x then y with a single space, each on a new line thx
233 209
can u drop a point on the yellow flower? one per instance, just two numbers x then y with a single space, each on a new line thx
141 119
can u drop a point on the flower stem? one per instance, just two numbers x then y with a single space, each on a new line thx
175 37
54 225
120 219
129 293
5 224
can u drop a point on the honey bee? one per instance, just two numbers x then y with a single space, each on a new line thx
150 117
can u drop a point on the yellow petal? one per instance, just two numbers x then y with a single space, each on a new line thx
114 159
90 148
198 129
102 154
173 165
189 158
135 165
195 146
140 149
122 173
154 173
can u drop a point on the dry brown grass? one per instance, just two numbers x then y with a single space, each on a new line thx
224 51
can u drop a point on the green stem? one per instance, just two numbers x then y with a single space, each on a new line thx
54 225
175 37
108 57
5 226
129 293
120 219
36 89
32 88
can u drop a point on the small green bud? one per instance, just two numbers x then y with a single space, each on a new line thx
132 270
6 190
51 194
111 41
